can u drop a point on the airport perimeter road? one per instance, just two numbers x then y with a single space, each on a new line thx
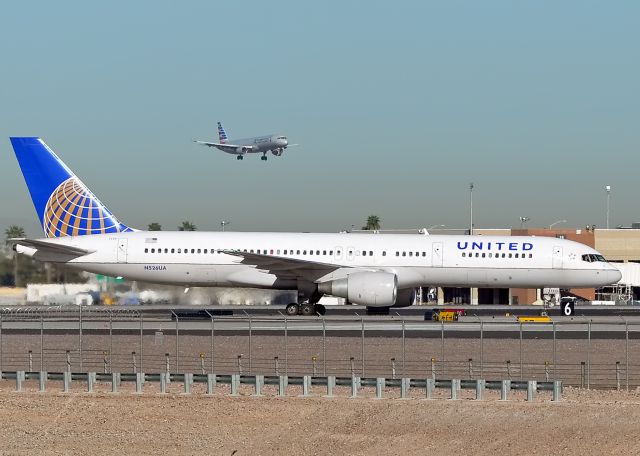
603 353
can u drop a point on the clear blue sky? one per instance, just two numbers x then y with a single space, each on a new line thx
397 107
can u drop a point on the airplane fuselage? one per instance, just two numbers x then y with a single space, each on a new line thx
199 258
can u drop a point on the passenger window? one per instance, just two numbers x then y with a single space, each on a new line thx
179 251
424 254
278 252
199 250
205 250
404 253
304 252
364 253
146 250
516 255
153 250
397 253
317 252
271 252
173 250
483 254
509 255
384 253
324 252
264 252
410 254
310 252
531 255
464 254
477 254
297 252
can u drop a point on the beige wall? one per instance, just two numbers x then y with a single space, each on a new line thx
618 245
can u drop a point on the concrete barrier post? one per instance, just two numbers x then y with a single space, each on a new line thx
282 385
404 387
331 383
66 381
557 390
531 390
504 390
235 383
259 382
163 382
91 380
188 380
354 386
379 387
431 385
139 382
115 381
42 381
306 385
480 384
19 379
454 389
211 383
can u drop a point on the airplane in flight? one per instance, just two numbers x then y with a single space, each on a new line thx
379 271
276 144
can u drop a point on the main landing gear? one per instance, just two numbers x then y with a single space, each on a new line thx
264 156
240 157
305 308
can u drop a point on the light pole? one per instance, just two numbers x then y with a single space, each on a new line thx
224 223
523 220
471 209
556 222
608 190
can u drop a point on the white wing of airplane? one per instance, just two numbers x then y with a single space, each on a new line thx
230 148
285 267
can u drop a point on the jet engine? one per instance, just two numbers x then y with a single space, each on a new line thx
406 298
371 289
277 152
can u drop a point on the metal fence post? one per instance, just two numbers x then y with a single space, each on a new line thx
331 383
286 353
68 361
618 375
404 351
235 383
554 351
110 341
481 349
531 390
557 390
442 346
66 382
470 367
324 347
202 370
480 384
166 361
1 346
433 368
379 387
520 350
141 343
431 384
41 343
504 390
454 389
80 336
134 364
589 355
250 343
30 361
19 378
91 379
582 373
362 345
177 344
626 351
211 383
42 381
404 387
213 344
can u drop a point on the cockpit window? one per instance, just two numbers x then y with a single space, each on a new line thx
591 258
282 137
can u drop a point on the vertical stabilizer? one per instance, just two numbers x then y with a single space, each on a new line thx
222 135
65 206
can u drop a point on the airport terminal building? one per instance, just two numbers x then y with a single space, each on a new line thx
621 246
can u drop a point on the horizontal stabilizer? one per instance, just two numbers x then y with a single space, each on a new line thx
51 247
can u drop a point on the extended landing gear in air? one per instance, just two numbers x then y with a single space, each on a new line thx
305 309
264 156
240 157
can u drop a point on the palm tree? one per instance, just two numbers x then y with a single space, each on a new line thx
373 223
187 226
14 231
154 226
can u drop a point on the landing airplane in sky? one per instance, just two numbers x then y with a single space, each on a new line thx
259 144
375 270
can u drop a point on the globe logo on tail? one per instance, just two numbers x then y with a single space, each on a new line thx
72 210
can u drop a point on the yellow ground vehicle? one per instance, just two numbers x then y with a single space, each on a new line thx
444 315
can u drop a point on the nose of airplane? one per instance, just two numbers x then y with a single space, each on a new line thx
614 275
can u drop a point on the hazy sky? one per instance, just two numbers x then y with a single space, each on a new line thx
397 107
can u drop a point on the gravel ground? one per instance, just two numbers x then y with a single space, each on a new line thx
585 422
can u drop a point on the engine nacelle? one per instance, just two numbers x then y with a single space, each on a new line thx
277 152
406 297
371 289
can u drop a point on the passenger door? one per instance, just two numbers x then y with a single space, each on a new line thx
557 257
436 254
122 250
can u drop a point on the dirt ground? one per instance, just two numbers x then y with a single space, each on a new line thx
584 422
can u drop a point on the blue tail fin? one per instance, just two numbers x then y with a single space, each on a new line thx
65 205
222 135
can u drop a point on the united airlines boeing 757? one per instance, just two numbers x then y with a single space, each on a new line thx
375 270
259 144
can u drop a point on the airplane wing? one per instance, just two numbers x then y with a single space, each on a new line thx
50 247
229 148
285 267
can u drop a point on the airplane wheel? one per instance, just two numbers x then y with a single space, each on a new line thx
292 309
240 157
319 308
306 309
264 158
